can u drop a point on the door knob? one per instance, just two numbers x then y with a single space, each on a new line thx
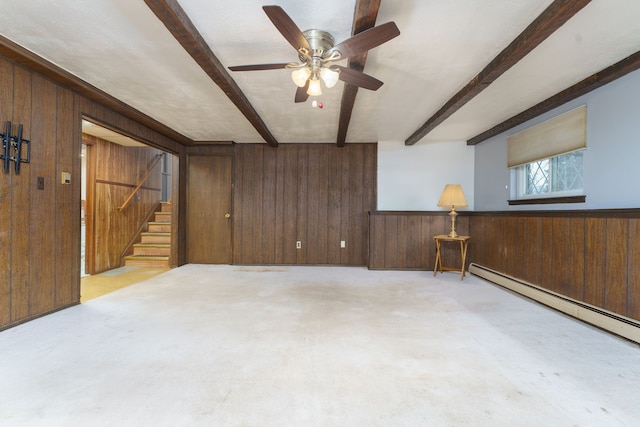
227 215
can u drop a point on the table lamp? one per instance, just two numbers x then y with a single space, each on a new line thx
453 197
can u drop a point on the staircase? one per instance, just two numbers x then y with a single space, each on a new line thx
155 244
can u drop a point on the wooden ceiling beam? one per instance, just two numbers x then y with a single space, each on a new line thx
553 17
366 12
178 23
594 81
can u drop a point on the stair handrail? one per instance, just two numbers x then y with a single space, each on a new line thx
136 236
144 178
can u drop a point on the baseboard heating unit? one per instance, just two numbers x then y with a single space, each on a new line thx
612 322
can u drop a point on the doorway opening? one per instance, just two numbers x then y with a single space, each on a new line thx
126 197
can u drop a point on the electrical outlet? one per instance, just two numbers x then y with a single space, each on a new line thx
298 244
40 183
343 244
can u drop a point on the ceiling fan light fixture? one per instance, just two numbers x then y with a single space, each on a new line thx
329 77
314 87
317 52
300 76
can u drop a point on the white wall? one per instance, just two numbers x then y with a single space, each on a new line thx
611 160
411 178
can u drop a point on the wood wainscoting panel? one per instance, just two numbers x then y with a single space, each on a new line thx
67 206
531 254
404 240
368 197
42 269
289 186
344 184
477 250
317 194
545 246
21 188
334 200
302 213
268 201
515 235
568 257
616 255
6 113
488 241
357 236
591 256
594 254
633 265
377 236
315 245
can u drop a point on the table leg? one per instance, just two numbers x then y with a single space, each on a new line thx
463 253
438 259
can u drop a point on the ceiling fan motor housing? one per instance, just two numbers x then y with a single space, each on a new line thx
320 42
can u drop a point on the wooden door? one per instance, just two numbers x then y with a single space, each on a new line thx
209 221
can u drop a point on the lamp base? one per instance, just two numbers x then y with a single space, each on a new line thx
453 215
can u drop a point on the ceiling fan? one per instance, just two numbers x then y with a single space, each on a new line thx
318 53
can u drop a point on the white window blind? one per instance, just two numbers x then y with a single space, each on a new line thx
559 135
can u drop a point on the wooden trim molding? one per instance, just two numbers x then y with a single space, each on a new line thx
548 200
417 213
122 184
574 213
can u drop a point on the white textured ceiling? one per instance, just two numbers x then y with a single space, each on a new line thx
121 47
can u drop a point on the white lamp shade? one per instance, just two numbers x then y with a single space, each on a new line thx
314 88
300 76
329 77
452 197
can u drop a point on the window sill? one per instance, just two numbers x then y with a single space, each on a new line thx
548 200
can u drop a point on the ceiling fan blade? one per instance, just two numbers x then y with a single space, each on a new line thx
301 93
259 67
287 27
357 78
362 42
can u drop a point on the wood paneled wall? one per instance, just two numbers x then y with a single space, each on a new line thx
118 171
40 229
404 240
590 256
38 269
318 194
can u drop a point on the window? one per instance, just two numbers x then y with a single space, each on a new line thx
555 176
546 160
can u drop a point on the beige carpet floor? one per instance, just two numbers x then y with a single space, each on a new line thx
314 346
